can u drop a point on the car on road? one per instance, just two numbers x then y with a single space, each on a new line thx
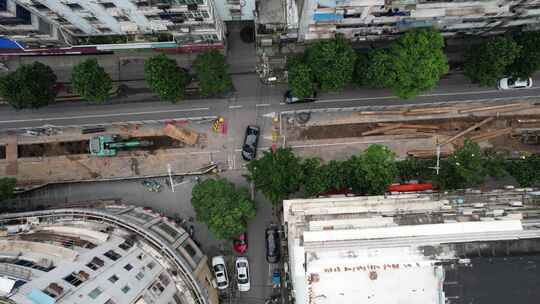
272 245
509 83
240 243
249 148
242 273
289 98
220 271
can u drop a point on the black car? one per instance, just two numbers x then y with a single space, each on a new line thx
249 149
272 245
289 98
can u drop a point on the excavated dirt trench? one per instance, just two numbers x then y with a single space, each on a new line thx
81 147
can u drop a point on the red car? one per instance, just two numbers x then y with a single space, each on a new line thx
240 244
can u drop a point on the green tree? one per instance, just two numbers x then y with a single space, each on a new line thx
313 178
462 169
223 208
528 61
525 171
332 63
417 62
165 78
7 188
489 61
335 173
30 86
277 174
379 72
415 168
91 81
212 72
301 80
372 171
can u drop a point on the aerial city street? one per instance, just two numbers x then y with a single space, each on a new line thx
269 152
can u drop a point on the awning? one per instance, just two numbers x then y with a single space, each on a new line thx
6 285
39 297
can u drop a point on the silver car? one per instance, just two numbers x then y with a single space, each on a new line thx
220 271
509 83
242 273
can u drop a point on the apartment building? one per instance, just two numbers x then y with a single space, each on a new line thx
360 20
168 23
111 254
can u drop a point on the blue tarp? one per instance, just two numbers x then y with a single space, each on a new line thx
39 297
6 43
327 17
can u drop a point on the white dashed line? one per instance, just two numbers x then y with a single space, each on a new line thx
235 107
263 105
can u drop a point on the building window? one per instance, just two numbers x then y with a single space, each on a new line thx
139 275
128 267
185 2
74 6
151 265
95 264
95 293
110 301
125 289
112 255
108 4
113 279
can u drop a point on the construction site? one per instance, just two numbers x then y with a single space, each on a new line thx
45 155
419 132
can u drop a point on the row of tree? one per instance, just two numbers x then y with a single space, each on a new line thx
280 173
34 85
411 65
498 57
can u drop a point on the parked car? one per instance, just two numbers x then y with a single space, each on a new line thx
220 271
272 245
249 149
509 83
240 243
289 98
242 273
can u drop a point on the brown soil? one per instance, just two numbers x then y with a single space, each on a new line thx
447 126
81 147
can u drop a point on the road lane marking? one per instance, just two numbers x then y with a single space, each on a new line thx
262 105
422 95
235 107
103 115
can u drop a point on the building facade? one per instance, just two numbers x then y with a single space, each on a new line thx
360 20
108 254
398 249
167 23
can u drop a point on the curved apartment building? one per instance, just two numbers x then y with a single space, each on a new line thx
112 254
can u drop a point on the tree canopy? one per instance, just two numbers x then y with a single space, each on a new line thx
91 81
490 60
331 62
301 80
165 78
463 168
30 86
378 71
373 170
417 62
526 171
277 174
212 72
223 208
528 60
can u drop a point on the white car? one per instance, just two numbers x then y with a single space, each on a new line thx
220 271
242 273
509 83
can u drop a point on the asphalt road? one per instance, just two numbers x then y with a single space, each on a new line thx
251 97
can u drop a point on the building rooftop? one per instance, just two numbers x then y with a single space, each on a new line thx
394 249
120 254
